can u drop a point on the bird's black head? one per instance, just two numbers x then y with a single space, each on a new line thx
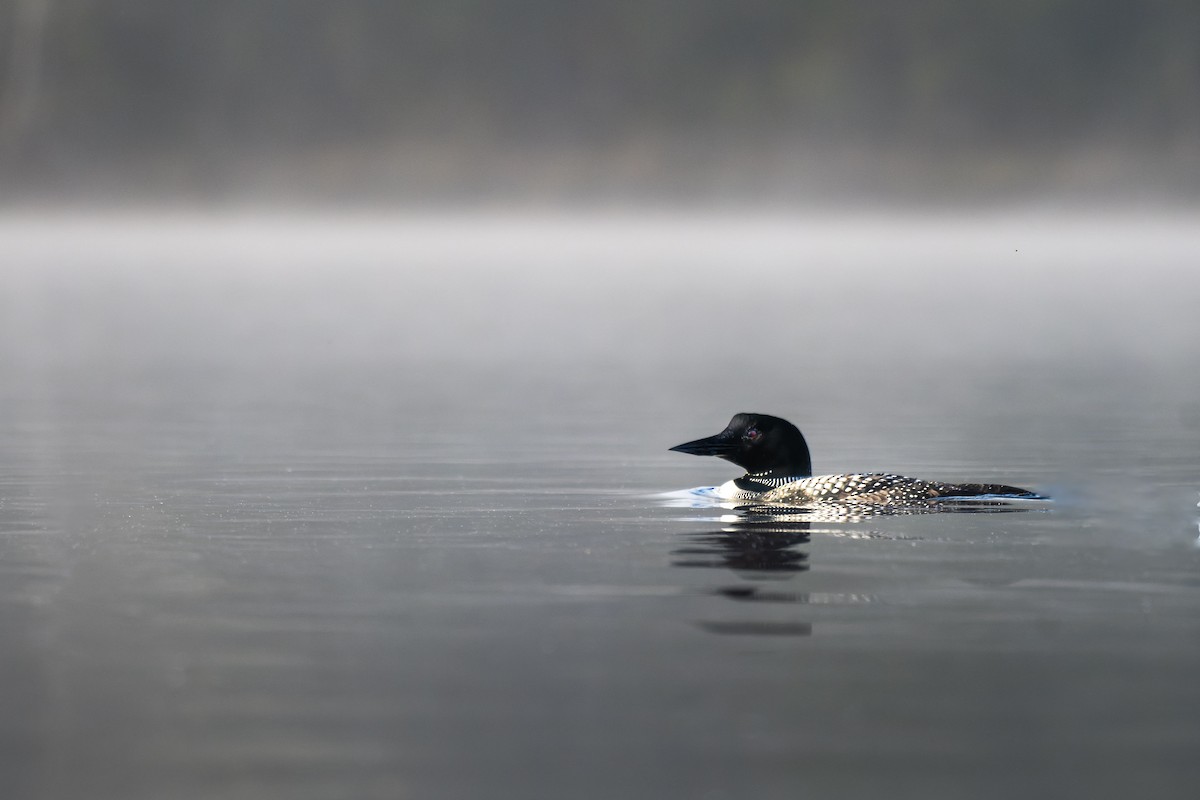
759 444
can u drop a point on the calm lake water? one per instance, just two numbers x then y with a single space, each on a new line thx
370 507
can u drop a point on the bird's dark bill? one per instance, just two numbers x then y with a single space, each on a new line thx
719 445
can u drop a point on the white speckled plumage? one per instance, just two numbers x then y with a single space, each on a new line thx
873 489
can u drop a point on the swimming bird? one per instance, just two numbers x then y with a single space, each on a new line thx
779 471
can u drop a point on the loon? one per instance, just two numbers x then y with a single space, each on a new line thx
779 471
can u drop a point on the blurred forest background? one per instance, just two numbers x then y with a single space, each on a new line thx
452 101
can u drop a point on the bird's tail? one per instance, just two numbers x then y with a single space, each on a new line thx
989 489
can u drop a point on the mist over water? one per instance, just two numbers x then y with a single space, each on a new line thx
630 288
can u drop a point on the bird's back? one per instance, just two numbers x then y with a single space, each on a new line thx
881 489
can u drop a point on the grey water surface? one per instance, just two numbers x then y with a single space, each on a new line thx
373 509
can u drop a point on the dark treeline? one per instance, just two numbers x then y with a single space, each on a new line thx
184 89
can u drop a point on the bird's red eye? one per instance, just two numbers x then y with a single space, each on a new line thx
752 435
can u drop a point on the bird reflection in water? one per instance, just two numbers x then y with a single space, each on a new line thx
751 548
762 542
755 549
